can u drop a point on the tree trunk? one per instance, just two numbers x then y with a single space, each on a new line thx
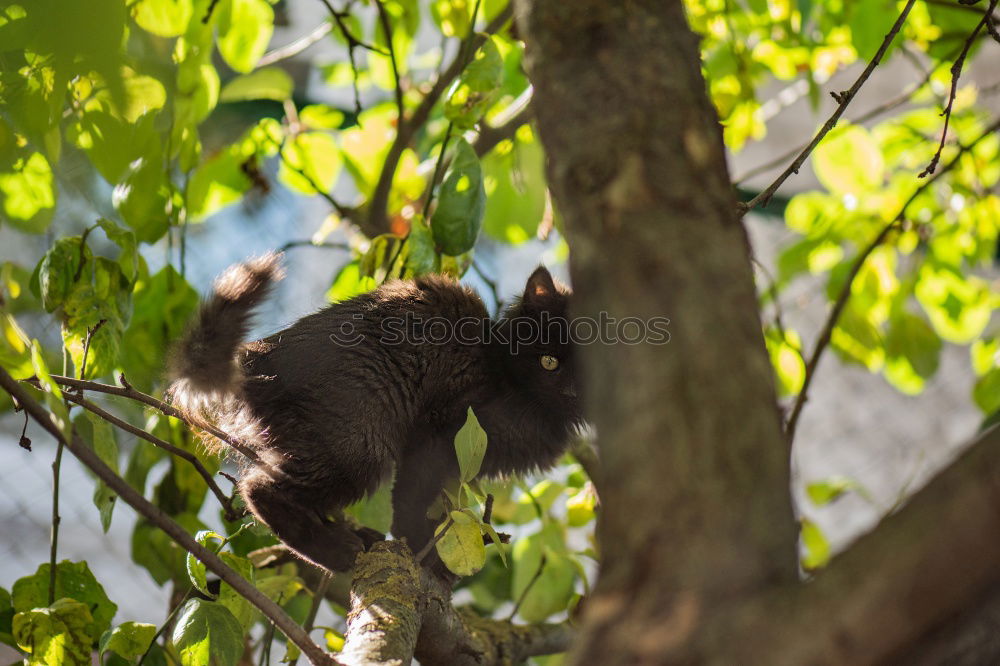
696 505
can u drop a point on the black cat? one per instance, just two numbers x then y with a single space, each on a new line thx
385 379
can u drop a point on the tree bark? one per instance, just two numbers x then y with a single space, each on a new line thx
696 506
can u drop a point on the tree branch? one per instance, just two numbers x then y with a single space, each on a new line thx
157 517
407 127
893 585
127 391
298 46
844 99
383 18
224 499
400 611
956 72
845 291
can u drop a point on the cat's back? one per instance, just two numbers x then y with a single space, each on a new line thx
398 339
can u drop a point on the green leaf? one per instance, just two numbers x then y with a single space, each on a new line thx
6 616
73 580
349 283
959 306
848 161
870 22
195 567
375 510
786 359
816 549
452 17
488 530
856 338
268 83
58 270
544 577
461 548
537 501
241 609
143 197
125 239
514 182
458 216
422 257
28 194
158 554
245 28
321 117
912 351
477 88
143 94
985 354
311 163
59 635
986 392
129 639
581 508
164 18
470 445
99 435
823 492
206 632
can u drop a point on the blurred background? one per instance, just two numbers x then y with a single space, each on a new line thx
855 427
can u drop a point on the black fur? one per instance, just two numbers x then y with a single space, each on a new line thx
332 419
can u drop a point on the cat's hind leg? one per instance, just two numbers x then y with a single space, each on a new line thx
286 508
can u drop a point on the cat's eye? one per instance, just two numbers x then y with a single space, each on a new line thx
549 362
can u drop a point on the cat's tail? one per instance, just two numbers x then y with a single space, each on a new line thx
203 366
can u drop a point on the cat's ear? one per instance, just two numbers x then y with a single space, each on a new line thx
540 286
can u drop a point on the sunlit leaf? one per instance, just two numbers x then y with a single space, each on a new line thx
461 548
245 28
848 161
461 200
206 632
129 639
268 83
164 18
73 580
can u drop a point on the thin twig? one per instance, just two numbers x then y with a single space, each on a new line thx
426 550
298 46
407 127
438 167
157 517
318 595
845 291
874 112
127 391
308 243
231 513
166 623
343 211
956 73
383 18
208 12
527 588
352 42
491 284
844 99
54 528
86 346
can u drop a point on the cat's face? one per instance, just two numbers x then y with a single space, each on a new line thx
542 359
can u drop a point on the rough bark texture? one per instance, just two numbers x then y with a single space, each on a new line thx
696 508
384 620
400 612
912 589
